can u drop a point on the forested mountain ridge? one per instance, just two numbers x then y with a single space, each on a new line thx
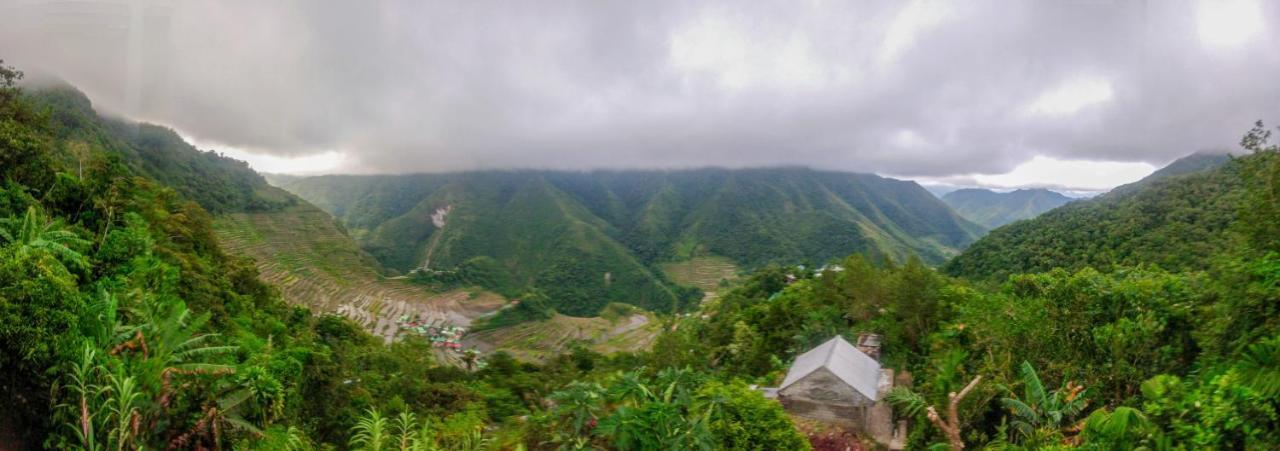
623 223
1190 164
1175 219
993 209
217 183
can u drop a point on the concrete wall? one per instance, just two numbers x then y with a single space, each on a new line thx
879 424
824 397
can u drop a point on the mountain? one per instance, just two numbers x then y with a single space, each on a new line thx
1190 164
590 238
1174 218
296 247
992 209
302 251
217 183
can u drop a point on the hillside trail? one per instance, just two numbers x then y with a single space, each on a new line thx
439 220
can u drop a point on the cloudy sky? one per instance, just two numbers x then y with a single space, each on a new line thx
1079 95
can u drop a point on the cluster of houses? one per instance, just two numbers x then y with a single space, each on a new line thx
791 277
441 334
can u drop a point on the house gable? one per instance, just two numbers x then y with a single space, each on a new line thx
850 366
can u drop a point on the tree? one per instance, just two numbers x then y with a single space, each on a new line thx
40 313
469 358
912 404
579 404
743 419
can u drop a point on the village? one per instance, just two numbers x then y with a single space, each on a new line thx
440 333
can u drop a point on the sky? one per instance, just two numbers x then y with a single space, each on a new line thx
1075 95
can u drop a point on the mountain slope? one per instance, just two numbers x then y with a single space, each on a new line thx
589 238
1190 164
537 234
306 255
217 183
761 216
1174 221
296 247
992 209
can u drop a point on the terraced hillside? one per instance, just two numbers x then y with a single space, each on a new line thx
704 273
303 252
538 340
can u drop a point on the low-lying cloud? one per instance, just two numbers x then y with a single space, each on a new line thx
934 90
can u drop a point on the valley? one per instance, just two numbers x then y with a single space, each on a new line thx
588 239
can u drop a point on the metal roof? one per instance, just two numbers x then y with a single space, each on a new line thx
841 359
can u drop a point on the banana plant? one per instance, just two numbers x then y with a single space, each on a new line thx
1039 412
35 232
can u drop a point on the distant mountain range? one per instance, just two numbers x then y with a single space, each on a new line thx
589 238
1174 218
993 209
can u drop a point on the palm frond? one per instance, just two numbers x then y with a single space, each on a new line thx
1260 367
1019 409
205 368
205 351
1034 389
910 403
235 399
242 424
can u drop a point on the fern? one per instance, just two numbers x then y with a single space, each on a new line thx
370 433
910 403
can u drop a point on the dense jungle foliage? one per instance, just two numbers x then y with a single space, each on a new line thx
123 325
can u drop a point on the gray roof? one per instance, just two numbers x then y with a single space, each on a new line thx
842 359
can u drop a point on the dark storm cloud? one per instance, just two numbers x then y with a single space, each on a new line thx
929 89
